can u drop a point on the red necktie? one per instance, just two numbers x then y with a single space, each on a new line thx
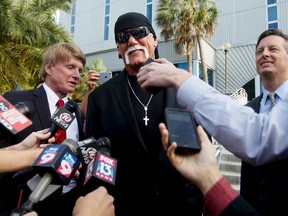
60 135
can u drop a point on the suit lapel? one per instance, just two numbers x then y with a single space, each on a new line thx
42 107
121 91
80 120
255 103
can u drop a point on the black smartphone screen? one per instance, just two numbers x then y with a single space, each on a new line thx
182 130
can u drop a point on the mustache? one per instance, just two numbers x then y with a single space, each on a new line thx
133 48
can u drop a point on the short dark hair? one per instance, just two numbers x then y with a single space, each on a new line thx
276 32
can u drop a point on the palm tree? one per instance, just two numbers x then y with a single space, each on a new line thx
27 28
98 65
188 22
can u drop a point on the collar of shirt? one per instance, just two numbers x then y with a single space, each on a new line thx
281 94
72 130
52 99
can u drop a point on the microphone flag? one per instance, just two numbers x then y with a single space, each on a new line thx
105 168
11 118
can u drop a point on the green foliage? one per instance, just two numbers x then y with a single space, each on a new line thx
27 28
97 65
78 94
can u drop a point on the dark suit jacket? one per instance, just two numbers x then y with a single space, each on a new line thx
262 186
41 120
142 184
248 183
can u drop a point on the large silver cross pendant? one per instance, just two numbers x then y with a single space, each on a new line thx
146 119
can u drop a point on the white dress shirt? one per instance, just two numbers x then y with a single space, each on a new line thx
72 131
255 138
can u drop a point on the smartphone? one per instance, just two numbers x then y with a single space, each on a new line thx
104 76
182 130
152 89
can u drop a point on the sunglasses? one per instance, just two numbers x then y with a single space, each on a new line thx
137 33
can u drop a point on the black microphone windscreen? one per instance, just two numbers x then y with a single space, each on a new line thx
104 142
26 108
71 106
104 145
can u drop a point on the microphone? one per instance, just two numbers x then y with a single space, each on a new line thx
105 166
14 119
26 108
152 89
86 151
57 164
62 118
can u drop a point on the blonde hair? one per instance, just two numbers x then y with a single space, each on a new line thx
61 52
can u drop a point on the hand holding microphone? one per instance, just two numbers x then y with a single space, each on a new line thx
14 159
57 164
32 141
152 89
62 118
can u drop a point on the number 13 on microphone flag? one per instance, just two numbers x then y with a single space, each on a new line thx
105 168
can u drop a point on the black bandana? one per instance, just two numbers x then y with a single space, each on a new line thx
132 20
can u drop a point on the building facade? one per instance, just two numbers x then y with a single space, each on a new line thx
240 23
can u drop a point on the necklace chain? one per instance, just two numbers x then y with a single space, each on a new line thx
146 119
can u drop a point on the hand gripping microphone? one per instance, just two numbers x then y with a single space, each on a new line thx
14 119
57 164
152 89
86 152
105 166
62 118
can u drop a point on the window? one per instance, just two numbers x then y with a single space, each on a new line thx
273 25
106 28
269 2
73 17
106 20
272 14
149 10
209 73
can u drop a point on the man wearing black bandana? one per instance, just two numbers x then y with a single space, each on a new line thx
146 182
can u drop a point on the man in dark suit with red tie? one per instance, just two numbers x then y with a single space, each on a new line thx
61 69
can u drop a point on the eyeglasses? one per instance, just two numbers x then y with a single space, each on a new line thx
137 33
